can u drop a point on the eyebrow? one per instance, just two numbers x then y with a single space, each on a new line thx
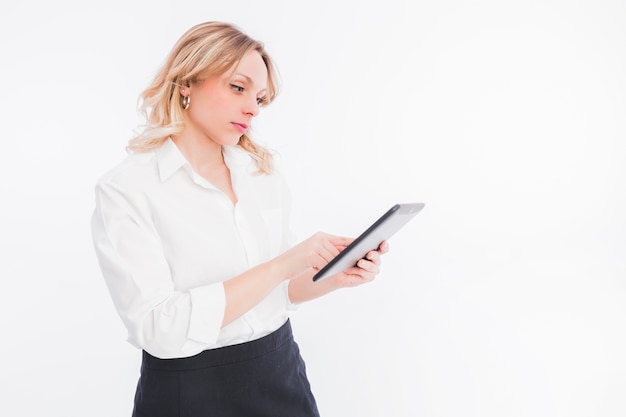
249 80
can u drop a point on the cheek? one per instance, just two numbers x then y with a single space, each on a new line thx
213 104
203 108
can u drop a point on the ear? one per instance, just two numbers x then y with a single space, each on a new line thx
184 88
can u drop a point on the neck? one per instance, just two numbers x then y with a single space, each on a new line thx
202 153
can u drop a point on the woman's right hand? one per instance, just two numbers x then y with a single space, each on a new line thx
314 252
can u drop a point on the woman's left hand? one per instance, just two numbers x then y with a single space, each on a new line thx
365 270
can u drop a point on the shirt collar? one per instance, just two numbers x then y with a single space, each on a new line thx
170 159
236 157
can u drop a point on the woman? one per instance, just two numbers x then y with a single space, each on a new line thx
192 235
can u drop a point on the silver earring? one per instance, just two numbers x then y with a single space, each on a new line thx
185 102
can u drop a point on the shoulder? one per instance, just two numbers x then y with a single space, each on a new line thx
132 173
271 187
239 158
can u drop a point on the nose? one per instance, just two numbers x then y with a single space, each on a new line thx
251 107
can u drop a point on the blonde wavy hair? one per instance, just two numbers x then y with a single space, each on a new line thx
207 49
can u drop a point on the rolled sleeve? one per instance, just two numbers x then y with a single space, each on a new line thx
207 303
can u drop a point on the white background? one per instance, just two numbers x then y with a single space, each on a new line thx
506 296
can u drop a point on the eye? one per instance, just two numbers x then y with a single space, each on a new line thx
237 88
261 101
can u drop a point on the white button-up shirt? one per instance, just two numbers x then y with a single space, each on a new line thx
166 239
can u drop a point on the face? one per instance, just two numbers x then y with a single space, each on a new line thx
222 107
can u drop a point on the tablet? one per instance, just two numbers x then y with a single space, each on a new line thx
382 229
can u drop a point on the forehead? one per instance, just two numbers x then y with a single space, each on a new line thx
252 67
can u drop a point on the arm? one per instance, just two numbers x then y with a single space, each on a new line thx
159 318
298 265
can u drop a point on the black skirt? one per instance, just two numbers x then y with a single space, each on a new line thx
264 377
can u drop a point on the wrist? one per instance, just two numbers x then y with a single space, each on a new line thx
277 270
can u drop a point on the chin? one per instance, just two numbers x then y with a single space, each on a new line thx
234 142
237 140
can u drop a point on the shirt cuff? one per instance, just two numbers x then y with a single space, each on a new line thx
207 313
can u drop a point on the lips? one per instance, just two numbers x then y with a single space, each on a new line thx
241 127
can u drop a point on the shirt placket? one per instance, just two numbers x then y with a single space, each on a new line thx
248 240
